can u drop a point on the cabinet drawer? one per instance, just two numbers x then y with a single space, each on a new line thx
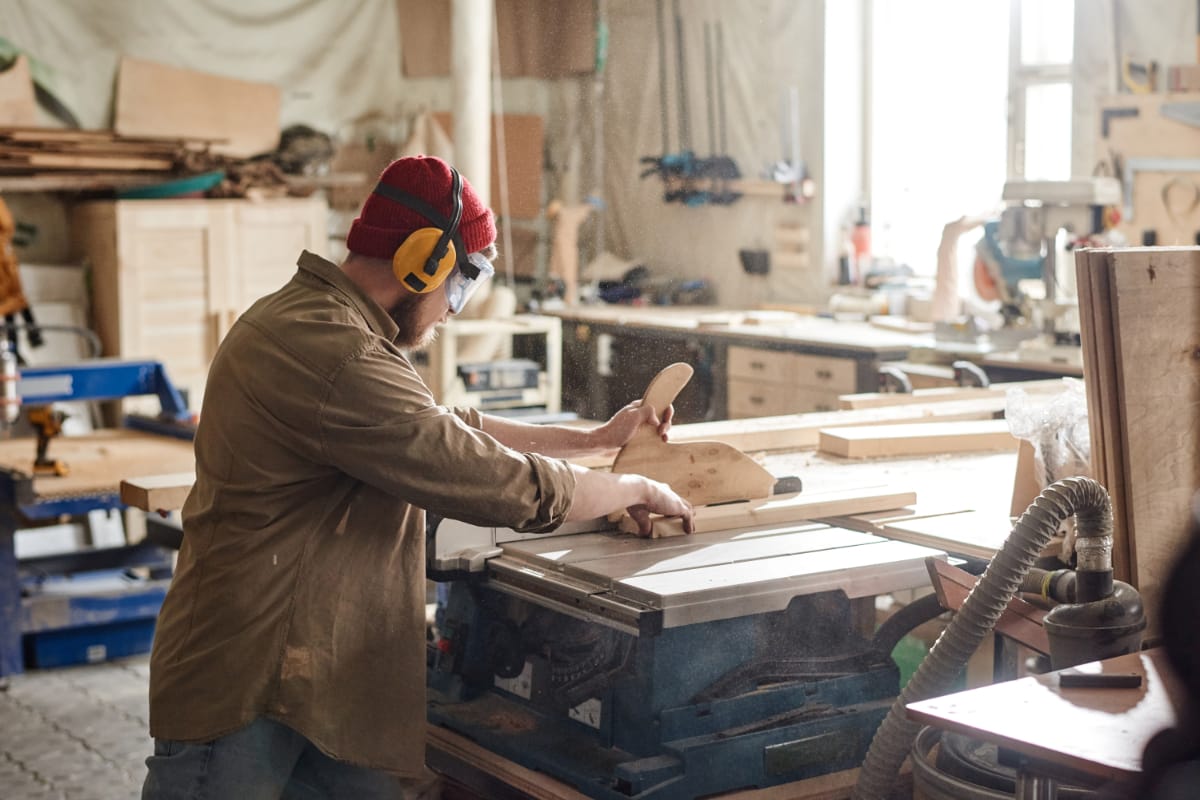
839 375
757 398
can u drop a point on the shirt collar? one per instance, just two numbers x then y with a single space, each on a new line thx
376 317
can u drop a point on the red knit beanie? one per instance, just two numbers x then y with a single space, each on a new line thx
383 224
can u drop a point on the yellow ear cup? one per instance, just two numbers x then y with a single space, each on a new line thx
410 263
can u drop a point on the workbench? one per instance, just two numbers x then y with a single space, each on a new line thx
1079 735
752 364
782 365
97 461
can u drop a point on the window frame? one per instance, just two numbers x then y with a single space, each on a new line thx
1020 78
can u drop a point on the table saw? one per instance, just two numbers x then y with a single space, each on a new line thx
666 668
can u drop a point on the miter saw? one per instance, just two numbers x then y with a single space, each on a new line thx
676 667
1019 251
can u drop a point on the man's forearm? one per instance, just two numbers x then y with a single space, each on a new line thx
598 494
556 441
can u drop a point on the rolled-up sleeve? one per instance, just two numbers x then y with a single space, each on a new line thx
380 424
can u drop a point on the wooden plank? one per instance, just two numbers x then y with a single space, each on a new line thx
782 509
928 438
159 100
529 782
943 394
157 492
17 103
1112 417
802 431
47 160
1155 297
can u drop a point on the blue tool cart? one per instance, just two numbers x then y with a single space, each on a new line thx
90 604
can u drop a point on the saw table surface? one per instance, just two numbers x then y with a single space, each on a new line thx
98 461
731 573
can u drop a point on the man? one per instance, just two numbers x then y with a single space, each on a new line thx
289 656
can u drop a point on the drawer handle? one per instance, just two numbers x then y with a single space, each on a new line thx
757 365
758 401
824 374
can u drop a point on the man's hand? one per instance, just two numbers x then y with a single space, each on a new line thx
598 494
663 500
617 432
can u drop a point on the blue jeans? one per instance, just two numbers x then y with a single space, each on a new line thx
267 760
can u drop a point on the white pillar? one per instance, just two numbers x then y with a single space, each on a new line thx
471 61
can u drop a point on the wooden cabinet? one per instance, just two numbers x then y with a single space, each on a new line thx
169 277
772 382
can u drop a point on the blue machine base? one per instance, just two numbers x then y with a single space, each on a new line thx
686 769
88 618
88 645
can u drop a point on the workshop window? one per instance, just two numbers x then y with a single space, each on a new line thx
1041 51
952 118
937 129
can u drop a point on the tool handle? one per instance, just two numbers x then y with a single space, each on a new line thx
1099 680
666 386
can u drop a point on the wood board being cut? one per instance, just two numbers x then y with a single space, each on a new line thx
928 438
781 509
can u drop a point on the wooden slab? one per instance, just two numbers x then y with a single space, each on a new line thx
701 472
782 509
157 492
159 100
928 438
1155 297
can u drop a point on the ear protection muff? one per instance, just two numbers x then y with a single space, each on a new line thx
428 255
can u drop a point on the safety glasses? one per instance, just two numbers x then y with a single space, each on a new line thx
460 287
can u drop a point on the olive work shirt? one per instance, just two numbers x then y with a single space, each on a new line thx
299 593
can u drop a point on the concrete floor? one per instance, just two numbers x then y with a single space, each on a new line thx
76 733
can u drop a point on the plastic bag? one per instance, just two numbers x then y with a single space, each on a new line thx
1056 424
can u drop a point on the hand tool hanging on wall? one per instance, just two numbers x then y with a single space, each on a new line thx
718 166
688 178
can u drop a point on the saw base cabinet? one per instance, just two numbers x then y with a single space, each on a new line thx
170 277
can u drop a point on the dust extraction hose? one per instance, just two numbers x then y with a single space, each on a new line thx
1083 497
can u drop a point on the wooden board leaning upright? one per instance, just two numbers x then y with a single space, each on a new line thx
1141 331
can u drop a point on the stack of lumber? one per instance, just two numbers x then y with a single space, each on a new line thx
55 153
1140 310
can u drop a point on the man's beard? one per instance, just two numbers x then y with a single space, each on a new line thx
410 336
